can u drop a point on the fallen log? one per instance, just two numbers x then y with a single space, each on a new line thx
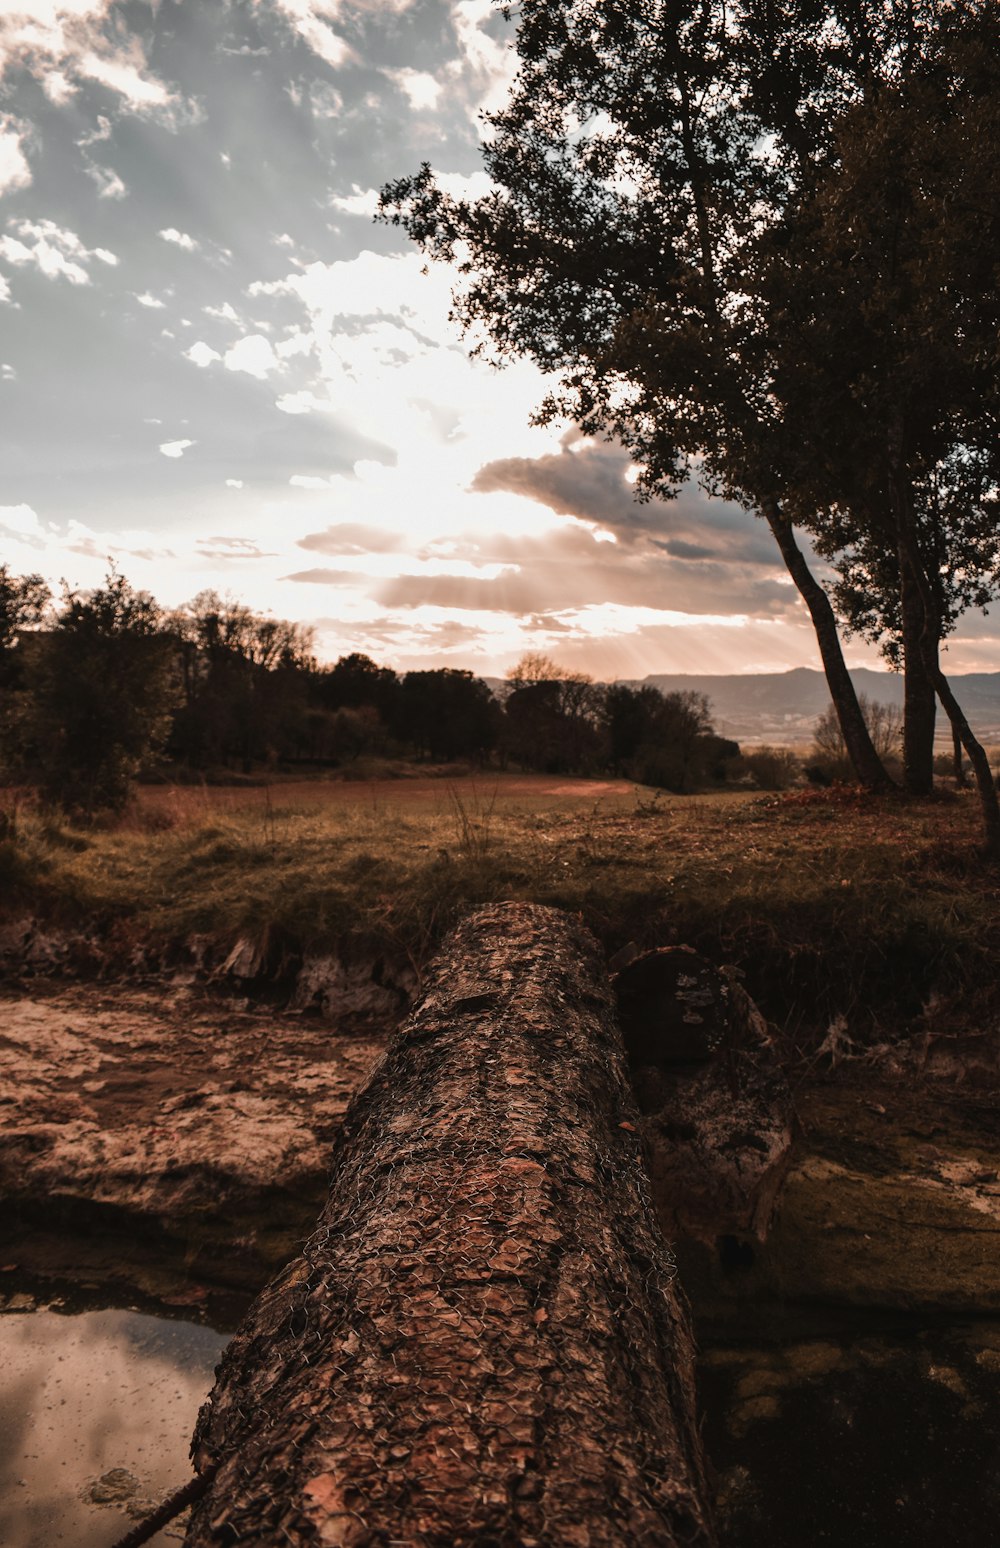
482 1343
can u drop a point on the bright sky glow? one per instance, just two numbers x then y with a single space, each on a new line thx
218 372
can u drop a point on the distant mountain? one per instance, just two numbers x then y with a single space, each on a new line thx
783 706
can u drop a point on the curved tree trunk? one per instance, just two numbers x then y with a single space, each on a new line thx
482 1343
866 762
985 784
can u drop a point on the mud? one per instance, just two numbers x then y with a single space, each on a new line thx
96 1411
143 1127
892 1201
859 1437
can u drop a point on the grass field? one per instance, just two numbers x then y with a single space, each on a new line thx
876 911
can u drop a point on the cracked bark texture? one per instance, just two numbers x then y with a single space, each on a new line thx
482 1343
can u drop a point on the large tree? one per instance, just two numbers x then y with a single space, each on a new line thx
102 694
880 287
244 677
646 148
631 171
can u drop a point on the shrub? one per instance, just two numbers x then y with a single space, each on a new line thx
772 768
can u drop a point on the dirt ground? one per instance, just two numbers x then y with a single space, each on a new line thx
419 793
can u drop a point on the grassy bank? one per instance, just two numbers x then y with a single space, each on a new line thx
876 911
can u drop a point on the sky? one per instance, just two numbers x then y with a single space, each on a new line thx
217 371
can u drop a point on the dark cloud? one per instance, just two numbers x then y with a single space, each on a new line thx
678 549
588 480
544 584
352 537
516 594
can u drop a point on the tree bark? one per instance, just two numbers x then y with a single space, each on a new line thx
866 762
929 638
482 1343
958 759
919 703
985 783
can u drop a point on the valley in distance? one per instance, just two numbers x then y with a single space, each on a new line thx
784 706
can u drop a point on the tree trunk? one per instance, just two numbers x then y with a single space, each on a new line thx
919 704
482 1343
958 759
866 762
985 783
911 563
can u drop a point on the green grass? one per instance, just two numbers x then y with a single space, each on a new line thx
830 905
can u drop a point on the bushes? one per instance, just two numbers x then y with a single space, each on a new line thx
885 727
771 768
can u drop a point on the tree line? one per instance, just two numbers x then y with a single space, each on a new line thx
108 684
757 244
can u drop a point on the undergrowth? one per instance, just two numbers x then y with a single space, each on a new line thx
830 905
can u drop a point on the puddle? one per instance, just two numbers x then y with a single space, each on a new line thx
96 1414
857 1442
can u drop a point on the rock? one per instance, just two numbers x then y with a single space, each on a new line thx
115 1487
165 1115
368 988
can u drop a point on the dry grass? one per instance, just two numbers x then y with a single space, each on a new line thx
832 905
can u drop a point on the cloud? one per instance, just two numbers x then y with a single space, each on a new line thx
304 402
202 354
350 537
591 481
232 548
324 577
178 238
471 186
422 90
486 63
56 87
175 448
153 302
109 184
65 42
234 483
56 253
361 201
98 135
7 372
122 73
385 359
14 169
513 593
254 355
20 524
310 19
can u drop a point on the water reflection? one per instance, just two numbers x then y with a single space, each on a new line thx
86 1396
